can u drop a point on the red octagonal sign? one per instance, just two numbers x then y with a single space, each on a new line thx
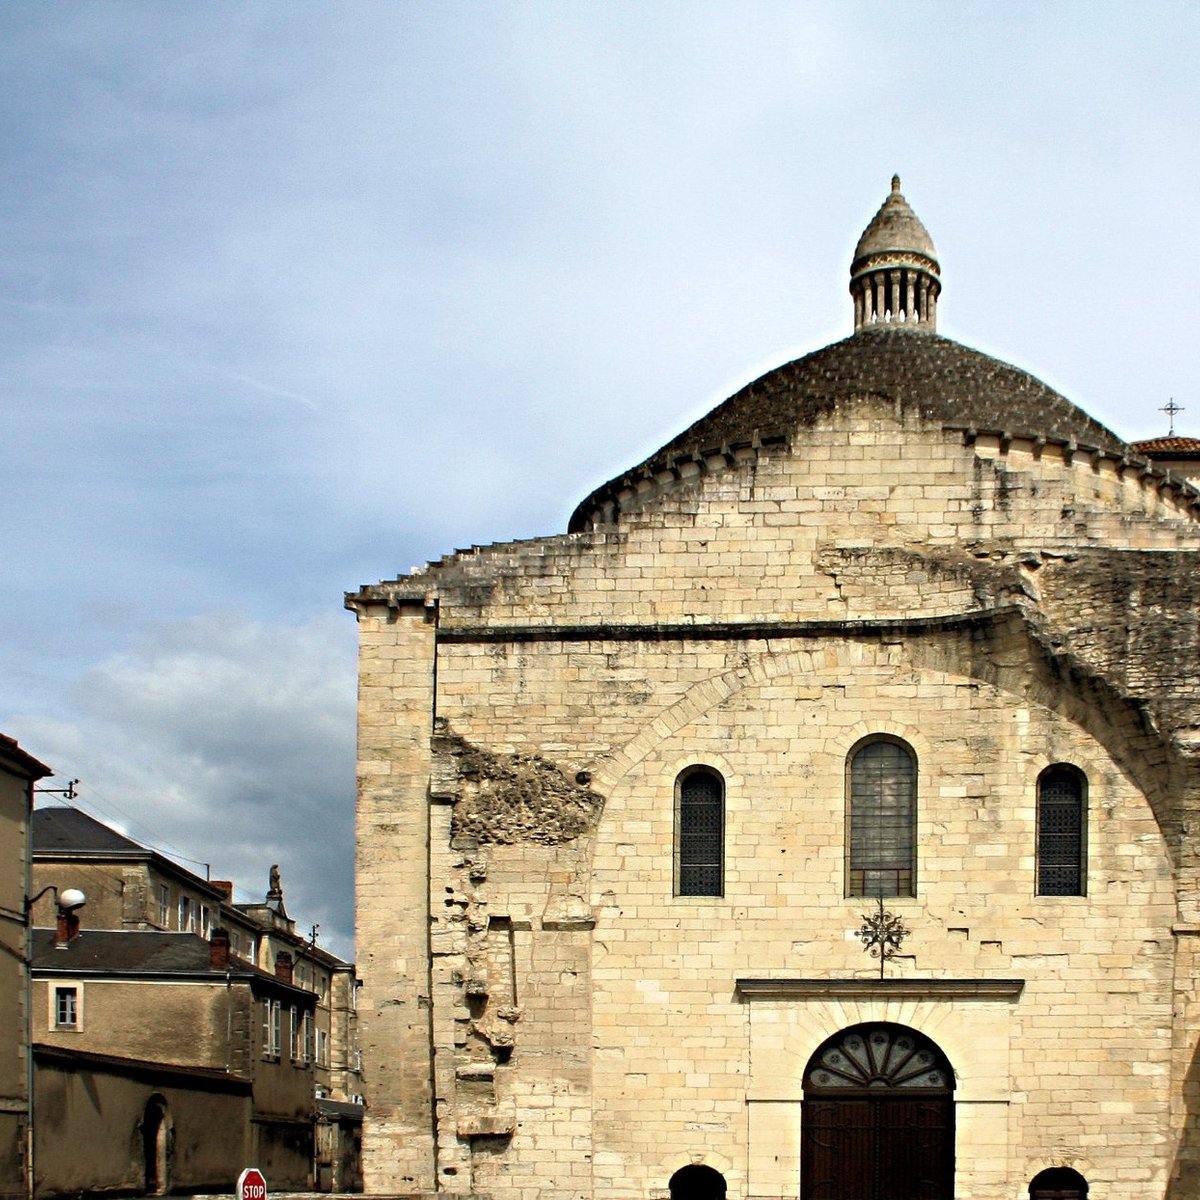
251 1185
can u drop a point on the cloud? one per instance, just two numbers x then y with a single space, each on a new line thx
230 743
300 296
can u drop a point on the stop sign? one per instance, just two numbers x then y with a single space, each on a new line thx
251 1185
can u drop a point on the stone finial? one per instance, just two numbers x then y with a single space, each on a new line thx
275 891
895 277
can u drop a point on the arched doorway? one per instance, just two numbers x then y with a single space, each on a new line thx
878 1118
697 1182
156 1142
1058 1183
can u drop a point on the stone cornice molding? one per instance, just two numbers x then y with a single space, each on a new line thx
879 989
727 630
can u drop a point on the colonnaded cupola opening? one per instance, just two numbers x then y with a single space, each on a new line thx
895 277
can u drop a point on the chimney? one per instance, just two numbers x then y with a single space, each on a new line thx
67 927
218 950
284 966
225 887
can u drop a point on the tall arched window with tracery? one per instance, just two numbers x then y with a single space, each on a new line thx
1062 831
699 833
881 819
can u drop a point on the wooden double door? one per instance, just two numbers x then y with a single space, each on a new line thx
878 1118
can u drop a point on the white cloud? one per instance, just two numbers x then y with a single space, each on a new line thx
299 296
229 742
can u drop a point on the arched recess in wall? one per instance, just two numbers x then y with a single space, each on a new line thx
1033 676
156 1146
1058 1183
878 1116
697 1182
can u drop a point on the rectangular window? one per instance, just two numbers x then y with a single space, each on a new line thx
294 1026
164 906
272 1019
322 1048
66 1008
235 942
205 921
187 915
306 1048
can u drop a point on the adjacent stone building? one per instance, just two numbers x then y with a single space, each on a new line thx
177 1035
18 774
896 633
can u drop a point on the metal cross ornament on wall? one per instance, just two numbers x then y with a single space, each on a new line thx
882 934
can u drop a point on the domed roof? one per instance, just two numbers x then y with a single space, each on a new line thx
895 229
943 380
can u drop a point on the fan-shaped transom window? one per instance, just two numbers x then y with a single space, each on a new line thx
699 833
878 1118
1061 831
882 786
879 1056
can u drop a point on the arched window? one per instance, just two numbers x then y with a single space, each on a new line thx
1062 831
699 833
881 822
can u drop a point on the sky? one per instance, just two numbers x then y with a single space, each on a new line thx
297 296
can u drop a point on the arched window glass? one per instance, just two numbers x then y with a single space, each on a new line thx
699 833
882 820
1061 832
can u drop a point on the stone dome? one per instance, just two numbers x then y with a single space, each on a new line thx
942 380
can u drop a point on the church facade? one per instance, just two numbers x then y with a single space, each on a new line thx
816 817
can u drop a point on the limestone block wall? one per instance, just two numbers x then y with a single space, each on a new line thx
543 1017
396 680
748 542
672 1065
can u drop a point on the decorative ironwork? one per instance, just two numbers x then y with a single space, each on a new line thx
1171 408
882 934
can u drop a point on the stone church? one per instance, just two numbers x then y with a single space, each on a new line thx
818 816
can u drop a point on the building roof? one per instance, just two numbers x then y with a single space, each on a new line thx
68 829
141 953
945 381
210 1078
17 762
1169 447
895 229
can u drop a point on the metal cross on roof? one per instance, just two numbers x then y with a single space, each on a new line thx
1171 408
882 934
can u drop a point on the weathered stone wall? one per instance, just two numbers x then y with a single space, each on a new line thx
992 602
396 705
